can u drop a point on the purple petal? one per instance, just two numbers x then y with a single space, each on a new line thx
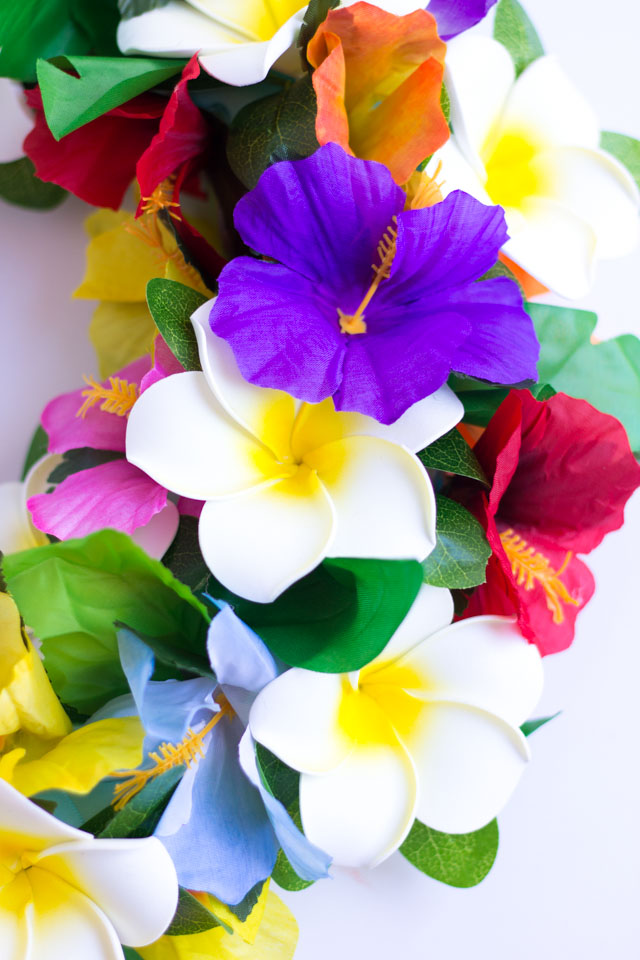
280 328
503 346
115 495
455 16
322 216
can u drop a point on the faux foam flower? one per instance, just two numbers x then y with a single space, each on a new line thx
531 145
369 304
17 531
429 729
65 894
114 493
285 484
377 80
561 474
222 830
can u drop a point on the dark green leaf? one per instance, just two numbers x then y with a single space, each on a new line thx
83 458
71 593
103 84
482 399
453 454
501 271
285 876
171 305
462 551
460 860
282 127
99 20
606 374
514 30
192 917
37 449
532 725
141 815
338 617
625 149
133 8
30 29
130 953
316 14
243 909
19 185
168 651
184 557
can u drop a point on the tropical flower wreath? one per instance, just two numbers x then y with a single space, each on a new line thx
280 573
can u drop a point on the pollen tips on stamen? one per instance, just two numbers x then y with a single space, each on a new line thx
351 323
530 567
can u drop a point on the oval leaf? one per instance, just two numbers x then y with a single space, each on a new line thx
459 860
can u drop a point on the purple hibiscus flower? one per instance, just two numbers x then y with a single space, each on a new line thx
367 303
455 16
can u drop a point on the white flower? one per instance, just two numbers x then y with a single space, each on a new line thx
429 729
65 895
531 146
16 529
286 484
238 42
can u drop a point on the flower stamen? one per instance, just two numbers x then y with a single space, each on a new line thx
354 322
119 397
161 199
530 568
168 756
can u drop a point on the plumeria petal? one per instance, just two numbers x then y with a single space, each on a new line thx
24 824
468 763
369 477
205 454
14 924
432 610
297 717
16 531
362 810
259 544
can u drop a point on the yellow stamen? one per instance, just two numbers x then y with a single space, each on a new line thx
147 229
530 568
161 199
423 191
354 322
188 752
118 397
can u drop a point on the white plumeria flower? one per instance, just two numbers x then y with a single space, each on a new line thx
531 146
66 895
429 729
286 483
238 42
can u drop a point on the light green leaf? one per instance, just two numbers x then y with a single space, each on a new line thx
453 454
171 305
192 917
460 860
462 551
19 185
514 30
104 83
606 374
37 449
282 127
337 618
625 149
72 592
530 726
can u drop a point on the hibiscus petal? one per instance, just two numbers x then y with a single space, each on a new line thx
114 494
383 498
468 762
133 881
599 190
259 544
363 810
156 536
455 16
179 434
432 610
297 717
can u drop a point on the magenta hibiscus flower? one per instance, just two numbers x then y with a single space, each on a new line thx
367 303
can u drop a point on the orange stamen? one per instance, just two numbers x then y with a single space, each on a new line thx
161 199
119 397
531 568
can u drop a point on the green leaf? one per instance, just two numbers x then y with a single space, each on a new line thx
103 84
32 28
142 813
98 19
338 617
192 917
625 149
184 557
71 593
514 30
37 449
482 399
134 8
130 953
462 551
453 454
20 186
606 374
82 458
171 305
501 271
530 726
460 860
282 127
243 909
178 657
285 876
316 14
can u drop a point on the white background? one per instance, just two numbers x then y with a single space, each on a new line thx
567 880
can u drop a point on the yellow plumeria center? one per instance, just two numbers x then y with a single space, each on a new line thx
531 569
378 707
512 175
